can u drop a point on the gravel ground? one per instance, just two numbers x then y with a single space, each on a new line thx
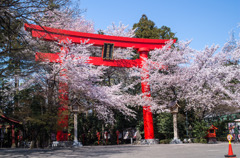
126 151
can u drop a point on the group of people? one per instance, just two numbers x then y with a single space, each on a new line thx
234 131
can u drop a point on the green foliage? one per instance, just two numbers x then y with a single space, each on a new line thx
146 28
100 32
222 130
164 126
200 129
203 141
39 119
166 33
165 141
200 140
88 126
181 121
222 139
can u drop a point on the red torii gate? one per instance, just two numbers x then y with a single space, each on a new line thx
143 46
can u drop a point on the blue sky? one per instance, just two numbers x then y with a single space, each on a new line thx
206 22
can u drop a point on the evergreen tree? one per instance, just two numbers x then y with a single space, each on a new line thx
16 50
166 33
146 28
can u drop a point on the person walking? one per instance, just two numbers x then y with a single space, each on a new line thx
236 132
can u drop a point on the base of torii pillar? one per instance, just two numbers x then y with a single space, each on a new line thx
148 127
149 141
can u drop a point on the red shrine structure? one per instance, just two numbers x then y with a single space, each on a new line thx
143 46
8 136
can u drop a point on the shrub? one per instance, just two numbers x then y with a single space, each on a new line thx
200 129
165 141
196 140
202 140
222 139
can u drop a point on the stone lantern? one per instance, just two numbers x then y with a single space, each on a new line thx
173 106
75 108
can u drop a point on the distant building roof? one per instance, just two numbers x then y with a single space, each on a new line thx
9 119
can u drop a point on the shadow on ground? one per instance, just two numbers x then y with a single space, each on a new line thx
86 151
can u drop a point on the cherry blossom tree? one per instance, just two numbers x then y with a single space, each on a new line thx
205 79
85 84
65 19
85 81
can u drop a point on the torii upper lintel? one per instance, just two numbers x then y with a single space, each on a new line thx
53 34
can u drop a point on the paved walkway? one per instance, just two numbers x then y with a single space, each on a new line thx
128 151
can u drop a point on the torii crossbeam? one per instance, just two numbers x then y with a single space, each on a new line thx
143 46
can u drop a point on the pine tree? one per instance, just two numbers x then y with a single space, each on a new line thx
146 28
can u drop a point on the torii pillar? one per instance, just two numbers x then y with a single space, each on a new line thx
143 46
147 114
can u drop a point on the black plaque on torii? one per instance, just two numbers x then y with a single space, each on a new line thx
107 53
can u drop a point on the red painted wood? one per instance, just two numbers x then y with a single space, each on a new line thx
13 137
98 61
63 112
52 34
147 114
114 63
47 57
9 119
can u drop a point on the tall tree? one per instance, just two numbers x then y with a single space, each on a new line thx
16 50
146 28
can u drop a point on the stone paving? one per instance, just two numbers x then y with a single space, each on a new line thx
126 151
